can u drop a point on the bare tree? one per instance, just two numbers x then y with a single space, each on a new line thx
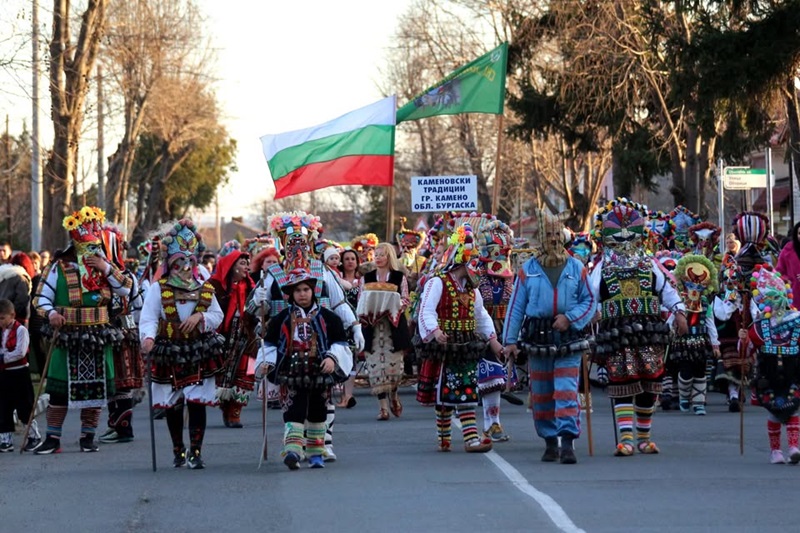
182 112
71 65
145 41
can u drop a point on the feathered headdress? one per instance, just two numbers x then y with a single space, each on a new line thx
295 222
364 242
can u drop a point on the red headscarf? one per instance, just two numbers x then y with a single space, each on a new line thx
237 292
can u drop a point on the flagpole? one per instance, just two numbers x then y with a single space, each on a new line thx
390 213
496 187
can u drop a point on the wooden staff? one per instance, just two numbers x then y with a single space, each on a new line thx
150 407
41 387
743 343
263 456
587 391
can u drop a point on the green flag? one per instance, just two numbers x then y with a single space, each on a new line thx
477 87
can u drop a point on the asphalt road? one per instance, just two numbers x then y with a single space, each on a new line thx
389 478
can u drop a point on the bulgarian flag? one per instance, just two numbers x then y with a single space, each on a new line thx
354 149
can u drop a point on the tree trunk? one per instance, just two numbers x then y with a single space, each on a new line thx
475 157
793 117
69 84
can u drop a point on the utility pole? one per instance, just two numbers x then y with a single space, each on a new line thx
36 155
8 184
101 187
217 222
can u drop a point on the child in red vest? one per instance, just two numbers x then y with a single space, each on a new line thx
16 389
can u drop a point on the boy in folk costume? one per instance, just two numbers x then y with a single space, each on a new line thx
297 231
306 351
548 311
178 324
232 285
128 365
497 280
74 296
697 282
776 340
16 389
631 289
455 328
728 314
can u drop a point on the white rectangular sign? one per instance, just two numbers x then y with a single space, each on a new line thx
444 193
743 178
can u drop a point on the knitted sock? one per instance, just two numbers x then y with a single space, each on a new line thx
329 420
774 433
197 425
733 391
444 417
33 433
5 438
90 418
174 418
699 388
685 389
644 418
315 438
710 365
468 426
666 386
293 438
793 431
491 409
55 420
624 415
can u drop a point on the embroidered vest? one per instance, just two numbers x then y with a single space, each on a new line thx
630 292
788 347
11 345
456 308
169 326
85 308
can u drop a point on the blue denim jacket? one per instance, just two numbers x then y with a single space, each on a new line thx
534 296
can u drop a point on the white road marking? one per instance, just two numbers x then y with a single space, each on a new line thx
554 511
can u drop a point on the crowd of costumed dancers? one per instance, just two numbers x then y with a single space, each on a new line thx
658 308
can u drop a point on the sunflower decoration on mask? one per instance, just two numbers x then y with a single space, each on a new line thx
70 223
84 224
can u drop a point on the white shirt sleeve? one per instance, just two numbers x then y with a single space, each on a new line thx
484 325
338 302
47 292
23 341
670 298
151 313
711 328
428 318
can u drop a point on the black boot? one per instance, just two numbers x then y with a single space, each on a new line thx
567 452
551 450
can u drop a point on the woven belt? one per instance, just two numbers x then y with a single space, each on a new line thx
84 316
